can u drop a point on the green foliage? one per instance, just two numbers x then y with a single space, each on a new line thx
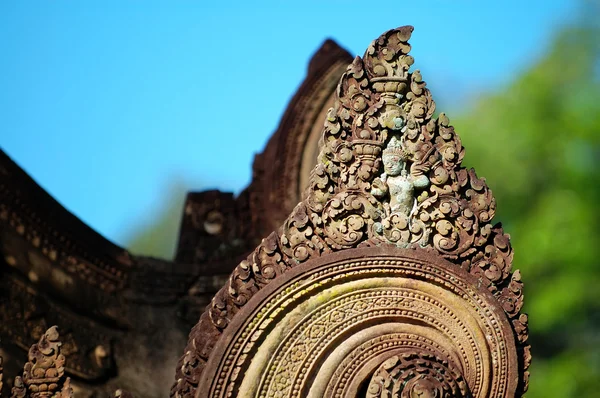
538 144
159 239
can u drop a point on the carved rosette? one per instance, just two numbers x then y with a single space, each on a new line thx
415 375
367 322
389 175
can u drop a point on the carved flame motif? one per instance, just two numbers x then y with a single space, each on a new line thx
43 374
356 200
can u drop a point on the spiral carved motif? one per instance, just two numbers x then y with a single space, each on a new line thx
389 175
333 326
415 375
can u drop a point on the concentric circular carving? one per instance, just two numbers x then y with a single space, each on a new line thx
389 174
416 375
371 322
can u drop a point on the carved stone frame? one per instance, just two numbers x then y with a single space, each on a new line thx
381 109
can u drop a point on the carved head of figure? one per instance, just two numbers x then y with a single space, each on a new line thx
394 158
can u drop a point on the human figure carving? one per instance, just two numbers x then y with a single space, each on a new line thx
434 316
397 181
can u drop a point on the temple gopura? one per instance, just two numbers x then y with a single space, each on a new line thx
361 261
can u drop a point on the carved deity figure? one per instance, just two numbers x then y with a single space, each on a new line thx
397 180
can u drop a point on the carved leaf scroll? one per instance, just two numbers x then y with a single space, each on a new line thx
414 375
389 174
44 371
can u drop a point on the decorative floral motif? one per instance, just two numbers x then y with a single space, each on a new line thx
416 375
323 325
431 202
44 372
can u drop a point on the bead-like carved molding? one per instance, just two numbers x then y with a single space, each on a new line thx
389 174
323 329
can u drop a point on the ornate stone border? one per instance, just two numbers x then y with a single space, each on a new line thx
388 174
250 329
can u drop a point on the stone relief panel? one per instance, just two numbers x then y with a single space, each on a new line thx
389 175
123 317
364 321
44 371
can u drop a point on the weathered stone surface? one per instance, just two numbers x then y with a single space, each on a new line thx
280 174
124 318
218 230
334 324
388 179
387 278
44 372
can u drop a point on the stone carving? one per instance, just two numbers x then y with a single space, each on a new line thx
400 185
18 390
25 317
382 112
43 374
279 175
325 327
415 375
396 180
115 309
387 278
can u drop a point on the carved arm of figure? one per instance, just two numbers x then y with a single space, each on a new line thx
418 172
379 188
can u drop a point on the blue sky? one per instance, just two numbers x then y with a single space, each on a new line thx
109 105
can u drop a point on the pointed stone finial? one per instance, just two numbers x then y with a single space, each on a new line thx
43 374
389 182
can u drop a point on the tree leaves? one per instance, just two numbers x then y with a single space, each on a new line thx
538 144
